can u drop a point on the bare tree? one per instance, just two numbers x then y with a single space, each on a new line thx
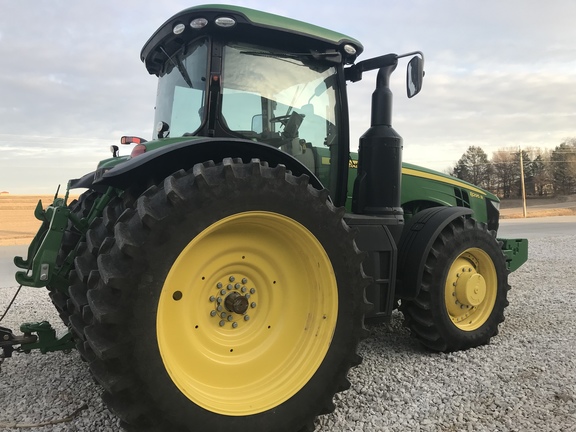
506 171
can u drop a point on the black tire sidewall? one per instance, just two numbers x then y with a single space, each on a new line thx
468 238
168 240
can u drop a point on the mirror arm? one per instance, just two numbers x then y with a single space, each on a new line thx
354 73
413 53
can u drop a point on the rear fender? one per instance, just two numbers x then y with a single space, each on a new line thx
83 182
159 163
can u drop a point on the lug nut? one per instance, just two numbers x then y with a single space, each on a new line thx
243 289
246 317
219 308
223 314
232 279
212 298
244 280
223 292
229 286
219 285
234 324
219 299
252 305
222 323
237 286
252 290
213 313
230 317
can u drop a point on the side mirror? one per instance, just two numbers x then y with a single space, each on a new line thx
257 125
414 76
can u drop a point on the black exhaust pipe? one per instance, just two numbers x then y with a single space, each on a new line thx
377 187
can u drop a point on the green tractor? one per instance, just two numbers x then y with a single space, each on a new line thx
220 276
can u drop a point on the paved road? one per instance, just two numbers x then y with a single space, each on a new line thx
531 228
7 267
509 228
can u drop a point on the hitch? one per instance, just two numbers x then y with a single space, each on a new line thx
43 250
39 268
9 339
47 339
44 340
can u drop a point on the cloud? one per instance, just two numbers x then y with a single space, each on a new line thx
498 74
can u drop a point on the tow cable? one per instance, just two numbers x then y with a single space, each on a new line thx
11 302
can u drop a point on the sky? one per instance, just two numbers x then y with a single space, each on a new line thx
499 74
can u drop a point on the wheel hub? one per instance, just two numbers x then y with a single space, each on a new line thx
470 288
232 300
236 303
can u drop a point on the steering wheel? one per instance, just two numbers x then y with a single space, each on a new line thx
291 124
282 119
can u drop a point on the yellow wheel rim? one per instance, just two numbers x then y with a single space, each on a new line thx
247 313
471 288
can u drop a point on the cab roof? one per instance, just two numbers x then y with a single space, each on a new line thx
278 31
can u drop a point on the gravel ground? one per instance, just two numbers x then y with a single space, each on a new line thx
525 380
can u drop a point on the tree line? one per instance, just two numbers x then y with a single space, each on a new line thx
546 172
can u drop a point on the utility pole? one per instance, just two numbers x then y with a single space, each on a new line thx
522 183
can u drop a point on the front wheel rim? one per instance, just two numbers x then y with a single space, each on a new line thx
471 289
247 313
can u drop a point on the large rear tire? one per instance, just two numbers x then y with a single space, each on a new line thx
231 298
80 208
464 287
85 274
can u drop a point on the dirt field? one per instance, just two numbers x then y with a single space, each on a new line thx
18 225
17 222
539 207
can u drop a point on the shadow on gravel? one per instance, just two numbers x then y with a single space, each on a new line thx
384 337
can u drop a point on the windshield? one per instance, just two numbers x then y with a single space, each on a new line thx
283 99
182 89
286 100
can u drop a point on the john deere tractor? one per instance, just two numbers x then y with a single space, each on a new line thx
218 278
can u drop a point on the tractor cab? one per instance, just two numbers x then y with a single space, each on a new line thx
231 73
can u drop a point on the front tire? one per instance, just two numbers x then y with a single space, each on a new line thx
462 298
242 300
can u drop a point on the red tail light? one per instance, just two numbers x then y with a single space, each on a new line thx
132 140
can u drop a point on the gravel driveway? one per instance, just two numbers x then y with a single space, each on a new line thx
525 380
